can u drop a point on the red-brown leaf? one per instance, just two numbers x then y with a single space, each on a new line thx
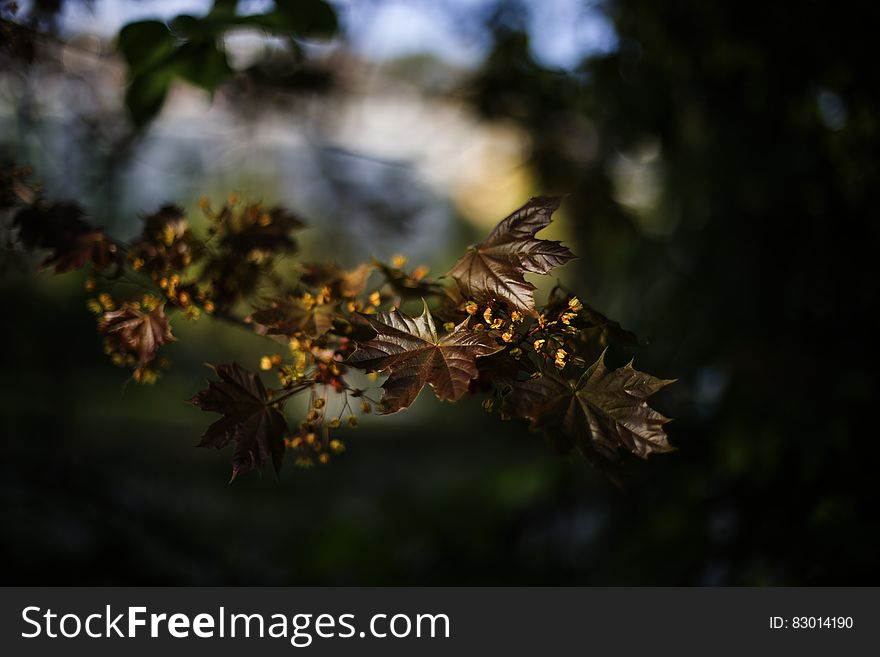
250 420
494 269
413 354
605 411
134 331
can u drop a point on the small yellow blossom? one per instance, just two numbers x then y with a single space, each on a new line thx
366 407
398 261
319 402
516 316
507 336
209 307
337 446
575 304
106 300
334 424
324 458
89 284
487 315
561 355
94 306
146 377
375 298
566 318
310 438
497 323
265 219
150 302
265 363
449 327
471 308
352 421
420 272
539 344
168 234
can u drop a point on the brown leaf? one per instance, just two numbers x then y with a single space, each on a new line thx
133 331
257 230
166 245
593 326
61 227
250 420
341 282
406 286
599 414
294 317
410 349
494 269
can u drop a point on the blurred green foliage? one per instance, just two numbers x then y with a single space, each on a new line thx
752 274
192 48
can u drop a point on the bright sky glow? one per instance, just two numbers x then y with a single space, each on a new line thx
562 31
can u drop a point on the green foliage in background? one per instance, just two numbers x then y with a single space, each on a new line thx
191 48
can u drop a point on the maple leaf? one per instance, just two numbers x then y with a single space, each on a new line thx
410 349
406 286
257 230
341 282
166 244
133 331
591 324
293 317
602 412
494 269
250 419
62 228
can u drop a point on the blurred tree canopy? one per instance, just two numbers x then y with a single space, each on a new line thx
753 271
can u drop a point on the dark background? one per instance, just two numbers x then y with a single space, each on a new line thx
751 275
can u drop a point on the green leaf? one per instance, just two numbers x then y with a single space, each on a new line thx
203 64
146 94
144 45
297 18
